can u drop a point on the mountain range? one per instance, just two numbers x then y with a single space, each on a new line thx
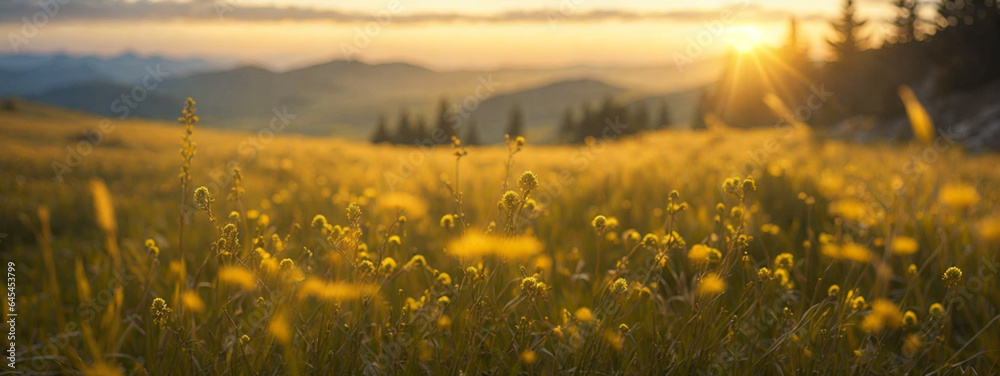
342 98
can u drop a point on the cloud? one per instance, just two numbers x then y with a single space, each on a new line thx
145 10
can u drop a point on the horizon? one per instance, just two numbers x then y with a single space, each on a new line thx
230 64
432 34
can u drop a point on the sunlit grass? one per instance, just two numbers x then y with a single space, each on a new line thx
679 252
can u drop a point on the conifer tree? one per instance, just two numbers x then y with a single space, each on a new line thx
472 134
381 131
847 40
446 121
515 123
404 132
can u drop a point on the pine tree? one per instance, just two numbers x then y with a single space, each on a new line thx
447 122
640 119
381 131
848 40
420 134
663 120
472 134
404 133
567 128
515 124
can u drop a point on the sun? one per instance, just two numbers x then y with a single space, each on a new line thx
743 38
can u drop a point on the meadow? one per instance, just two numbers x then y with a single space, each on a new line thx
738 252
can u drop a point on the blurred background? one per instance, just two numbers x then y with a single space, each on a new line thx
393 71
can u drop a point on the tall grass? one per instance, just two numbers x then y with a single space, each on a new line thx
631 258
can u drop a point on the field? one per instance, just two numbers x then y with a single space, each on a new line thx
772 251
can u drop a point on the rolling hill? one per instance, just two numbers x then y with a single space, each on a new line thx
344 98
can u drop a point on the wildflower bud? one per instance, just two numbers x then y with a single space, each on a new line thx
952 276
366 267
784 260
584 314
528 181
388 266
764 274
353 212
448 221
731 185
319 222
472 272
619 286
650 241
152 248
858 303
936 310
599 222
161 313
910 319
394 240
510 200
287 264
244 340
203 198
234 217
781 275
736 212
749 185
417 261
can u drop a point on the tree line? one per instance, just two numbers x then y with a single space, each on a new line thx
413 129
594 121
574 127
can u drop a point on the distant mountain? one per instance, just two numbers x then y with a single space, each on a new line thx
24 75
105 99
344 98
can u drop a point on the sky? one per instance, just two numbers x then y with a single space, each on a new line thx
440 34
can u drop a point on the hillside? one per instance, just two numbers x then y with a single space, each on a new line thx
344 98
